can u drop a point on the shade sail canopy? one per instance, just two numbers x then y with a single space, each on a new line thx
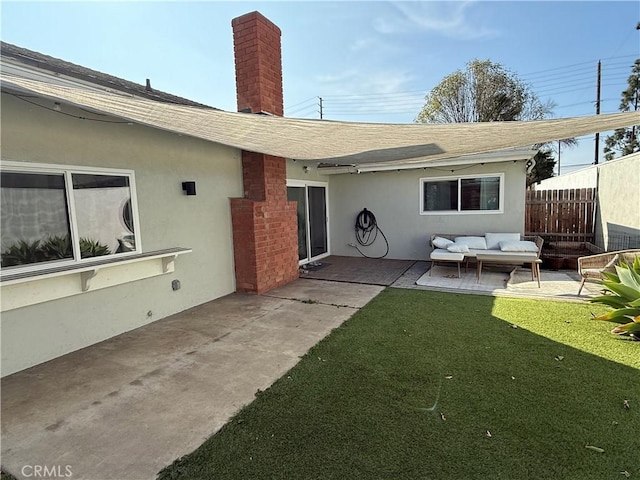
341 143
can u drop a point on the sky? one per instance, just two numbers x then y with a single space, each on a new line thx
368 61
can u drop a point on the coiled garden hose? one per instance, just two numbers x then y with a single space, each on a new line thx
367 232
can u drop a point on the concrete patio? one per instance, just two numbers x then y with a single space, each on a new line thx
127 407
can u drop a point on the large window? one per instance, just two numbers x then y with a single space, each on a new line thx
65 214
468 194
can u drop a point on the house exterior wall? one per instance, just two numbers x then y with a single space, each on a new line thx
168 218
618 197
394 198
618 213
295 171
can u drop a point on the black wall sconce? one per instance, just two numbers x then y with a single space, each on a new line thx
189 188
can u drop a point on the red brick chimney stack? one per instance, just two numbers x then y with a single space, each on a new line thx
265 234
256 44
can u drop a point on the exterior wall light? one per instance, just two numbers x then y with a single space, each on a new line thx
189 188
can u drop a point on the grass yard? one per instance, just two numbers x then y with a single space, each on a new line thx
427 385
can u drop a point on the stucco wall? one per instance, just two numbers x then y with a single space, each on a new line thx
618 218
617 213
296 171
394 198
583 178
168 218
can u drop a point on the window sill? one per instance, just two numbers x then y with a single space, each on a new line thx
444 213
29 288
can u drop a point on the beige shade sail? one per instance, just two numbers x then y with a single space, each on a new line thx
340 143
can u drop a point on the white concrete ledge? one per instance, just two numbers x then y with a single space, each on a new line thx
28 288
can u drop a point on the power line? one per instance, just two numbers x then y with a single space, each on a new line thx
300 109
547 83
304 111
377 94
614 70
576 86
588 102
375 104
551 83
374 112
300 103
590 62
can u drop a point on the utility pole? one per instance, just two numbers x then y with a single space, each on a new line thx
320 98
598 112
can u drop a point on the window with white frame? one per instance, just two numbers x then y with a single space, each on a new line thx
65 214
464 194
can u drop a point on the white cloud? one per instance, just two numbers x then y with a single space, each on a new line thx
354 82
374 45
340 77
363 95
361 44
449 19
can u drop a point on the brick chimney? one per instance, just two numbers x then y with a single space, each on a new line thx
265 237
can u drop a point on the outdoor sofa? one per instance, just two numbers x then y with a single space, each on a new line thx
592 267
502 248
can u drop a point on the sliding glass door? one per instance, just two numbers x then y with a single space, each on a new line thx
313 235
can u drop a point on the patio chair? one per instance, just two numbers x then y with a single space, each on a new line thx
592 267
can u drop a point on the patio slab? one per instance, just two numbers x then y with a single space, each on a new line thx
127 407
498 281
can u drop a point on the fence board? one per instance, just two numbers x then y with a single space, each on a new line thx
563 213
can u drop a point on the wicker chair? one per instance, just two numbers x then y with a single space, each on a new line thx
593 266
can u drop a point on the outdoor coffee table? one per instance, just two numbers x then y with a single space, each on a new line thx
506 259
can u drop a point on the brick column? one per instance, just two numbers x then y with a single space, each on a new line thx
265 235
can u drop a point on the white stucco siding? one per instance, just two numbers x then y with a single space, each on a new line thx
394 198
618 214
296 171
168 218
583 178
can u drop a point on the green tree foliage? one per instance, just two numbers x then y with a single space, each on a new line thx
484 92
545 163
626 140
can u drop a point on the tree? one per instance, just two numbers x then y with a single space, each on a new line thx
626 140
545 164
484 92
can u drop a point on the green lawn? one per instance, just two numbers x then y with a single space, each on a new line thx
426 385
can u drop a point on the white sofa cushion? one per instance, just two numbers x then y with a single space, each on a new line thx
477 243
441 242
444 255
519 246
458 248
493 239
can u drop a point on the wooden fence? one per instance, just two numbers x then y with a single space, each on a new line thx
567 215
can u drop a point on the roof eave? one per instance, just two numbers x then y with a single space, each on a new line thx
506 155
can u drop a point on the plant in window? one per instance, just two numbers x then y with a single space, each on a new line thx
22 252
92 248
57 247
624 297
